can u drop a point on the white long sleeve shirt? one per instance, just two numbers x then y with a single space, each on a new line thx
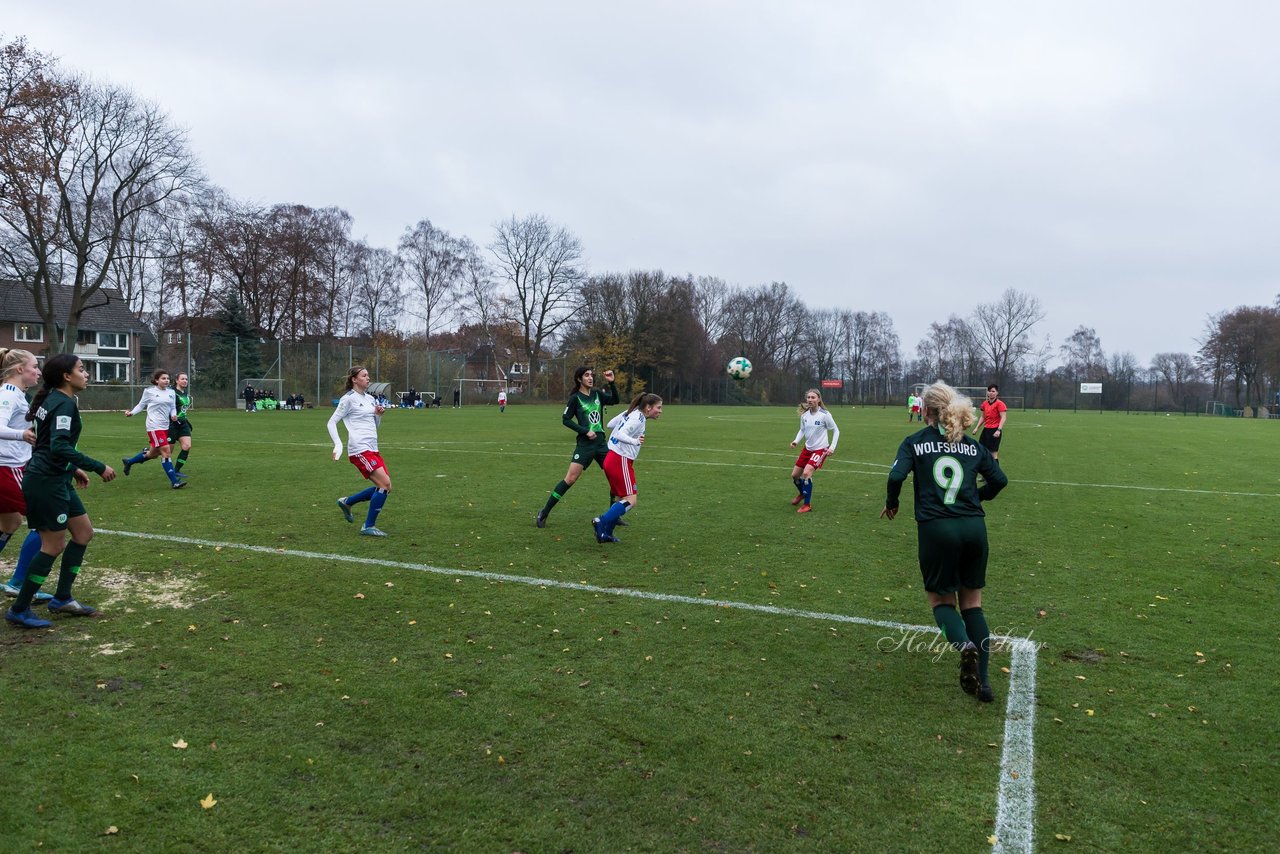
161 406
627 429
813 429
14 451
358 412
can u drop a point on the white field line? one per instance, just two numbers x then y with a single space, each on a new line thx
1015 804
837 465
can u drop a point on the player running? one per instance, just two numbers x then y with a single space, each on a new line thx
180 429
815 421
619 463
951 530
362 415
584 415
162 411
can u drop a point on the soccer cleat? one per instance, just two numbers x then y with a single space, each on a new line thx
179 474
623 522
127 465
370 531
70 606
985 694
26 619
797 500
540 520
178 484
346 511
805 508
41 596
969 668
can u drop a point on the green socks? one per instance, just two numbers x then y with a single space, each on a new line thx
951 624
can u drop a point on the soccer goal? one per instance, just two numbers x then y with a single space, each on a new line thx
273 387
975 393
472 391
1216 407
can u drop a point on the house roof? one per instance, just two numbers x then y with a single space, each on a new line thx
108 310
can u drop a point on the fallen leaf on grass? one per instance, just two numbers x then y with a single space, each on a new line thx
180 744
208 801
359 596
111 831
1062 837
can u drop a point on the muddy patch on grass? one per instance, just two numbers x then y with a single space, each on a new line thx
125 592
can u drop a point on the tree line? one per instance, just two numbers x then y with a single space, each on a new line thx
98 188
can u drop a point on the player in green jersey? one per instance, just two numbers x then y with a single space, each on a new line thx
180 428
53 507
951 531
584 415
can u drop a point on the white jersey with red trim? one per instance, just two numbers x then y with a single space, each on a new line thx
161 406
358 412
813 429
14 451
628 428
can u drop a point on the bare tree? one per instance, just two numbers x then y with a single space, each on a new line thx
479 298
1082 354
543 264
34 111
1001 330
435 262
379 296
122 159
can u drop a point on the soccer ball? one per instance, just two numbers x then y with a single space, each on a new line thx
739 367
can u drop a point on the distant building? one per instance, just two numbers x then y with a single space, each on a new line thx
113 344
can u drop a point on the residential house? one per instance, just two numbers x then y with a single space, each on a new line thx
113 344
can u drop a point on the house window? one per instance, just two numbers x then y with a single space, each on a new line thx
113 340
168 338
105 372
28 333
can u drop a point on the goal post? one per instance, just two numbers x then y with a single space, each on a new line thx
475 391
274 386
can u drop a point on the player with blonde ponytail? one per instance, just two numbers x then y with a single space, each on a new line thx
951 531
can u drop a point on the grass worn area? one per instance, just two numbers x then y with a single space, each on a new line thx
330 703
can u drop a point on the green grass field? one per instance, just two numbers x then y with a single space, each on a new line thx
336 692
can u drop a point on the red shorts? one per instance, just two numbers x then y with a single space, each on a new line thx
812 458
621 473
915 409
368 462
158 438
11 500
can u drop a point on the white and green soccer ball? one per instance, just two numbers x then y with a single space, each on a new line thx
739 367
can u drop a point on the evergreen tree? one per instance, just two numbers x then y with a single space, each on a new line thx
221 369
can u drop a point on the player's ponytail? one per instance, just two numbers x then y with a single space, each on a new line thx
643 399
949 408
52 375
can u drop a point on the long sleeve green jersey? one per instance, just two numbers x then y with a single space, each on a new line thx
58 427
584 413
946 475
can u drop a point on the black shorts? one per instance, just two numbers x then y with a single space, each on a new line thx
51 501
989 439
178 429
585 452
953 553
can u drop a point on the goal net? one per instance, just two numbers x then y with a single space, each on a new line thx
472 391
267 388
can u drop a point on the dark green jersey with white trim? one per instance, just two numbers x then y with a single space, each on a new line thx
946 475
57 423
183 400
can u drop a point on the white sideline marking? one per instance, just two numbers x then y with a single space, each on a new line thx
1016 801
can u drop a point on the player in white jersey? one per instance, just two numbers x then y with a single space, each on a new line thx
815 421
162 410
19 371
619 464
362 414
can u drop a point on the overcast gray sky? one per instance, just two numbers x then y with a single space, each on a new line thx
1119 160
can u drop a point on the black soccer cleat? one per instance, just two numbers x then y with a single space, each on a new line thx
969 668
541 519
